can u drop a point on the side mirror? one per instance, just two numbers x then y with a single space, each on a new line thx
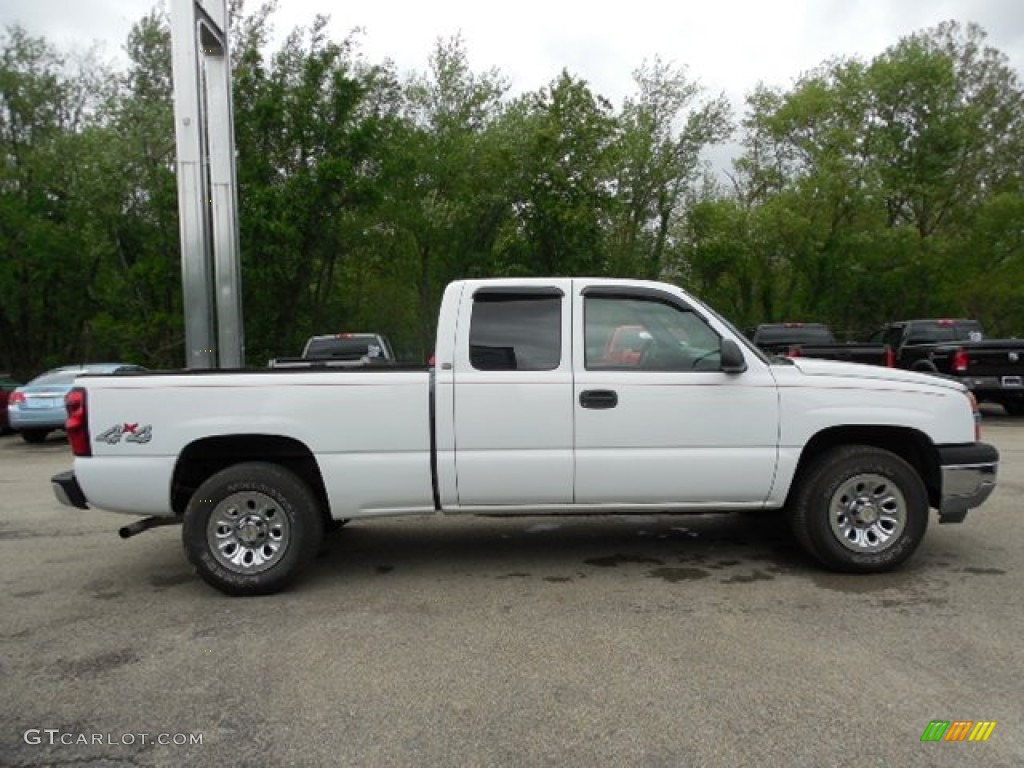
732 357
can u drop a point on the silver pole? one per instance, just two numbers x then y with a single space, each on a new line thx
224 188
207 189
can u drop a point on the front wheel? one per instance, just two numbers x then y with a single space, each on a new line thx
860 509
250 529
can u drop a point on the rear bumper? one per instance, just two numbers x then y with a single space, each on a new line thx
968 478
68 491
42 418
1009 386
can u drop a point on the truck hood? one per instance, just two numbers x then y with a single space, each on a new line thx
815 367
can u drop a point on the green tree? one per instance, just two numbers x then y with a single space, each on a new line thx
133 221
865 184
661 133
47 104
446 184
564 196
307 141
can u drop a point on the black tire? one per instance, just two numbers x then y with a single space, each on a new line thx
860 509
1014 407
268 523
34 435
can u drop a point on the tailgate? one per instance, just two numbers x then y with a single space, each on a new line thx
1002 361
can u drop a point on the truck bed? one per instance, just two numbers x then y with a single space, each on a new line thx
369 429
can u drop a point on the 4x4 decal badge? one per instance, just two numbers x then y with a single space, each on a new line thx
131 433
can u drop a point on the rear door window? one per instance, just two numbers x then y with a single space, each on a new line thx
516 332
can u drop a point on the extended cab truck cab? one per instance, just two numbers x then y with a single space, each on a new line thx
993 369
526 412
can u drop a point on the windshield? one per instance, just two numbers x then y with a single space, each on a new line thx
737 334
56 379
928 331
350 348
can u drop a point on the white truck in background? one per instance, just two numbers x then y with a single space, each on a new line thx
526 412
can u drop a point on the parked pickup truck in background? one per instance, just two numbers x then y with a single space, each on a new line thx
531 407
340 350
817 340
993 369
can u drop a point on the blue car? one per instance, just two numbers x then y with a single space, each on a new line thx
37 408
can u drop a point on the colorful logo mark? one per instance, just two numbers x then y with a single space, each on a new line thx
958 730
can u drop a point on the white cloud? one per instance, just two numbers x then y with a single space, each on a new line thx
729 45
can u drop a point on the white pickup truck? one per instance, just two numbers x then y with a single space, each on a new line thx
547 396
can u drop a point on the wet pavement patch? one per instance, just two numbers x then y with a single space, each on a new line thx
747 578
675 575
613 560
94 666
171 580
724 564
913 604
864 583
984 571
6 533
557 579
104 590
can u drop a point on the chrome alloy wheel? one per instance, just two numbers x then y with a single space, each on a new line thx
867 513
248 532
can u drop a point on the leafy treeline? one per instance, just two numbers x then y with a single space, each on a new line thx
866 191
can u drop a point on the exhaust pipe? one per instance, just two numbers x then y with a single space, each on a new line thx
145 524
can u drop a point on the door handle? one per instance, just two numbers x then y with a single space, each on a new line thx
599 398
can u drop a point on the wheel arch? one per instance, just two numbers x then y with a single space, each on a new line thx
205 457
911 445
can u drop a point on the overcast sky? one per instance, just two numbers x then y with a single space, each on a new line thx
727 45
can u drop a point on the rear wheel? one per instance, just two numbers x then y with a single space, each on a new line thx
860 509
34 435
252 528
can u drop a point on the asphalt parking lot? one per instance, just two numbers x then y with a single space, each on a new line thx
653 641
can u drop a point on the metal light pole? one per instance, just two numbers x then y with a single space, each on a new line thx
207 188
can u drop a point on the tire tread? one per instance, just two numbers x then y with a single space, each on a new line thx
300 504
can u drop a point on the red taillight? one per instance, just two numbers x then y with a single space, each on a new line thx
890 357
961 360
15 398
77 424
